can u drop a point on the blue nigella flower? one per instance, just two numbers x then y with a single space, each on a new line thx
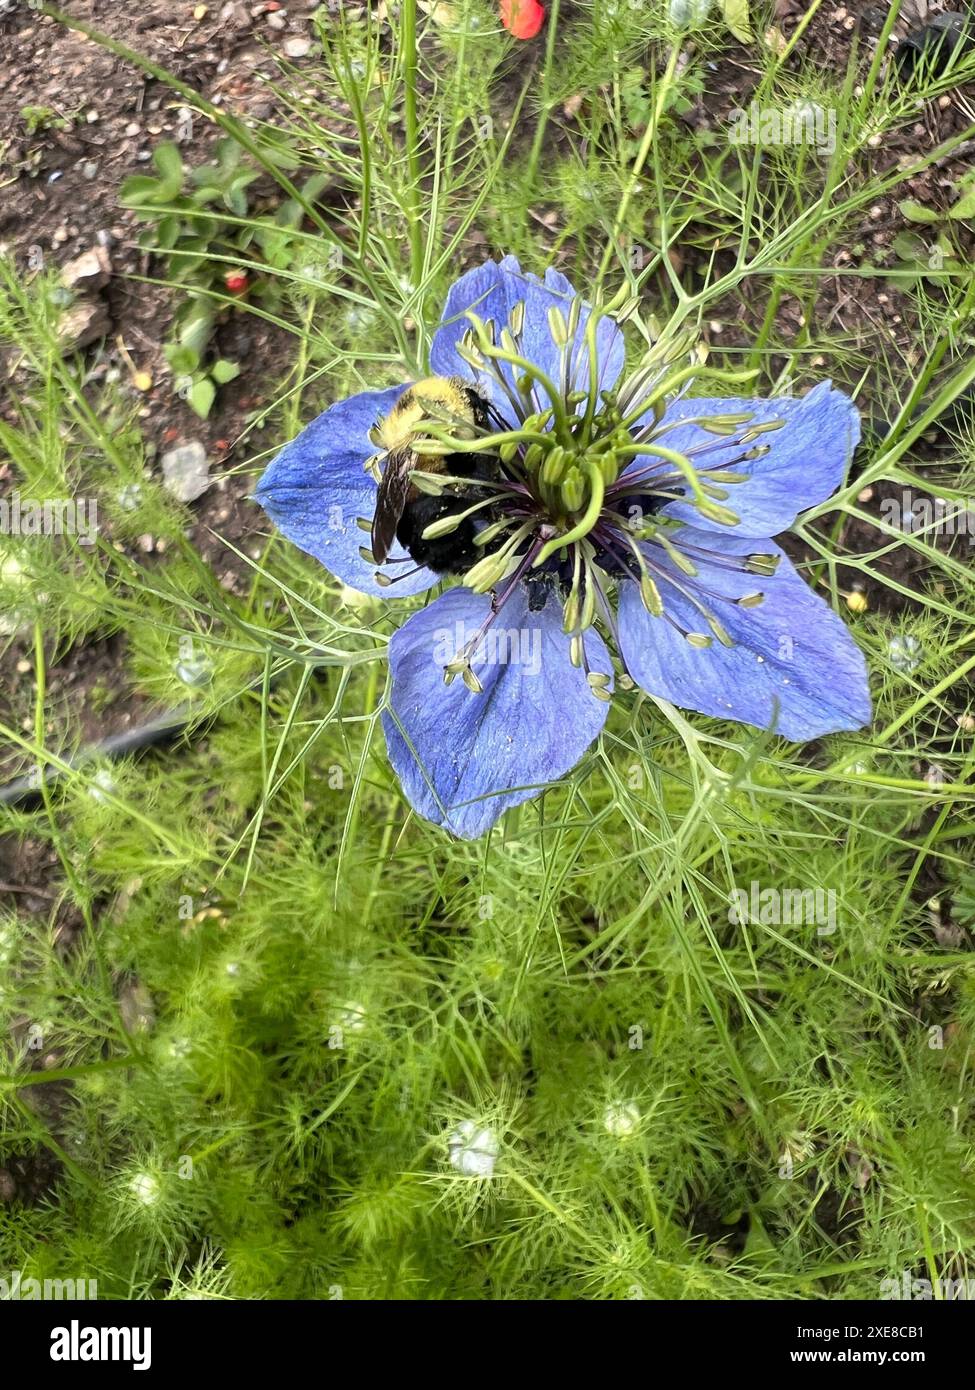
586 505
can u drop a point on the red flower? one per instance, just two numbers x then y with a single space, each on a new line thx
522 18
236 281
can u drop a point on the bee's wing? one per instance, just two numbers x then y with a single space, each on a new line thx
391 498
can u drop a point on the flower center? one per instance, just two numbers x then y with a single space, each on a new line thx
579 474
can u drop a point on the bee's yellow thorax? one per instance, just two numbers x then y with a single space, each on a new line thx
418 402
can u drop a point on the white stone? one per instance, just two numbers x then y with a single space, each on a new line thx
186 473
83 323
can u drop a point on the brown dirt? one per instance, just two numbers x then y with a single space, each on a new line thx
102 117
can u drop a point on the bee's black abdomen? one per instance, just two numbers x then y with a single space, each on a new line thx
455 552
451 554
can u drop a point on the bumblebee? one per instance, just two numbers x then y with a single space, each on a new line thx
403 512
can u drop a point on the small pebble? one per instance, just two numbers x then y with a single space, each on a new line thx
185 471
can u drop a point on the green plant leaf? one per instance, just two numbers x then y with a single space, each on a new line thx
229 154
908 246
201 396
138 190
167 159
689 13
279 155
167 233
736 18
290 213
917 212
182 360
196 325
315 186
965 207
236 200
223 370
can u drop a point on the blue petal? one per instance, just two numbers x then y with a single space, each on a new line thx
492 290
317 488
794 668
473 755
806 462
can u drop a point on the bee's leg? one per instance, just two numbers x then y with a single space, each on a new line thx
494 603
539 587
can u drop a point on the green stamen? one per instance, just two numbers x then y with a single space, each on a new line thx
766 428
762 564
597 491
446 525
650 595
557 327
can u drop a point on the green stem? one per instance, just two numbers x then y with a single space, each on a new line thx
545 109
642 155
876 66
410 57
